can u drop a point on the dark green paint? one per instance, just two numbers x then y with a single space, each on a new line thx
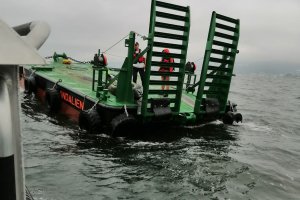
152 74
124 86
215 80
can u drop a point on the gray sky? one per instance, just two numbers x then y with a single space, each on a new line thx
269 40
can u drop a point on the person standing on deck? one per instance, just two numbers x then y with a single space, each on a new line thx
139 66
190 68
166 59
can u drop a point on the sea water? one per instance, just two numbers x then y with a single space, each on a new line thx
258 159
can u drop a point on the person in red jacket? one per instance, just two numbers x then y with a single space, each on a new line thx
193 67
139 66
166 59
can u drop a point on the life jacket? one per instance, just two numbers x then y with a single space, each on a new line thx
141 59
194 66
167 60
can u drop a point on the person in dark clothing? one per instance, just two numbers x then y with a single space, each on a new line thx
190 68
139 66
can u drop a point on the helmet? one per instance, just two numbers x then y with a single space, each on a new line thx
166 51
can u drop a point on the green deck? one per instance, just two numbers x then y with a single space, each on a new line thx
78 78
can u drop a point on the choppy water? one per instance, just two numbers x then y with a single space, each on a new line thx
259 159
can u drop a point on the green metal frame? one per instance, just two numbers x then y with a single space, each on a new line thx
220 75
149 58
183 61
101 83
208 48
182 56
101 89
124 92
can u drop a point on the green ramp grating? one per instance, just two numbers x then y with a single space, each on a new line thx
169 28
218 62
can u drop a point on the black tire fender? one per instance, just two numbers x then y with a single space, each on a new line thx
30 85
231 117
90 121
228 118
238 117
124 125
52 98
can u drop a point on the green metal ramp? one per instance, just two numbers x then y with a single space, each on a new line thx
169 28
218 62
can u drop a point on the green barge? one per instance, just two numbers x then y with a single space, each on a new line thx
104 99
